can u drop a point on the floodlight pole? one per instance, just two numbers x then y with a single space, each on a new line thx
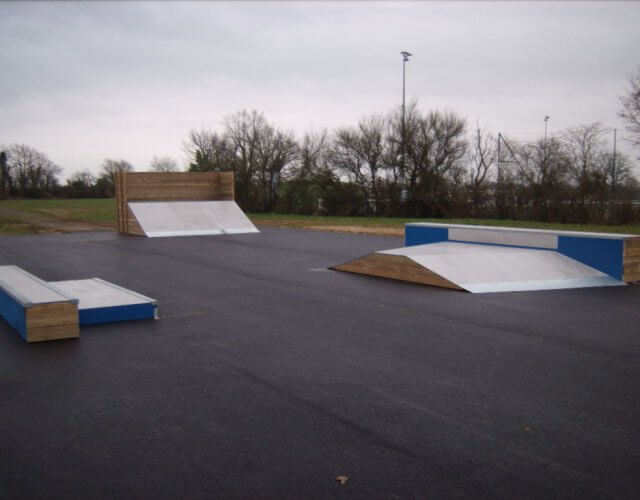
546 119
405 57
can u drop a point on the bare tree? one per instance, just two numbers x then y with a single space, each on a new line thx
32 172
312 155
85 177
435 143
630 108
261 152
583 145
543 168
163 164
482 157
208 151
4 174
359 152
616 173
81 184
109 168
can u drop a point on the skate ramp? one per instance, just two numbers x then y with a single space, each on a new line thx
190 218
480 268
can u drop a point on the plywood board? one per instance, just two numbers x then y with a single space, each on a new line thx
481 268
395 267
631 264
103 302
191 218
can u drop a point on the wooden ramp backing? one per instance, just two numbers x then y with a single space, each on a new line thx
397 267
167 186
36 310
480 268
632 260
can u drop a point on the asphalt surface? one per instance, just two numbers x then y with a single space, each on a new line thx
269 375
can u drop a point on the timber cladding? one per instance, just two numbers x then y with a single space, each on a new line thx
631 264
167 186
398 267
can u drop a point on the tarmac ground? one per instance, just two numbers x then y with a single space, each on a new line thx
269 375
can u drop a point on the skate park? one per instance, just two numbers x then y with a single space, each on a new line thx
269 374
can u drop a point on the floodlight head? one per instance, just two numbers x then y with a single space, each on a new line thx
406 55
546 117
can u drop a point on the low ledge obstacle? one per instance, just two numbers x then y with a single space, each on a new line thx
162 204
104 302
35 309
40 311
617 255
488 259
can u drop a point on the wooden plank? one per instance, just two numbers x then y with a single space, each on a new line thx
167 186
51 314
397 267
631 273
53 333
133 226
631 260
632 247
118 201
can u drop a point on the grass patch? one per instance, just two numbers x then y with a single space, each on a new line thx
24 216
99 211
306 221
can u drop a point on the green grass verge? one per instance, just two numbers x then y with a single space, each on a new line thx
23 216
390 222
101 210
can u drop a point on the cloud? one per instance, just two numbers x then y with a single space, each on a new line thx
93 80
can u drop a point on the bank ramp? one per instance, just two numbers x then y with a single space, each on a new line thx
161 204
481 259
190 218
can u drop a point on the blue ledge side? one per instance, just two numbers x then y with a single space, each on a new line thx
116 313
605 255
13 313
420 235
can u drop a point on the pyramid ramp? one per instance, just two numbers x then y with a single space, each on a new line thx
479 268
190 218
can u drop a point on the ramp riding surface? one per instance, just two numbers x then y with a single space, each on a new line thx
191 218
268 375
481 268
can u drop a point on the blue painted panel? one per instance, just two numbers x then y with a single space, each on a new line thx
13 313
420 235
116 313
603 254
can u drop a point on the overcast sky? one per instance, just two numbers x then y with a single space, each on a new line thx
85 81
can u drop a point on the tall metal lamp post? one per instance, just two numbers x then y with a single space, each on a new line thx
405 57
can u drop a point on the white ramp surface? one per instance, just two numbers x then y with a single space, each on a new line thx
95 293
191 218
491 268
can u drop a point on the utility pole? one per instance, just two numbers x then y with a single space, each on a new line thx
498 161
546 119
613 171
3 173
405 57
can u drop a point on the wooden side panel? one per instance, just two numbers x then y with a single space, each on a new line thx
132 225
631 262
396 267
57 320
178 186
55 313
53 333
167 186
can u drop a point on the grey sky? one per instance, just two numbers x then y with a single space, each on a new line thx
85 81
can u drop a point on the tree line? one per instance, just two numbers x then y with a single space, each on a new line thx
410 163
420 164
